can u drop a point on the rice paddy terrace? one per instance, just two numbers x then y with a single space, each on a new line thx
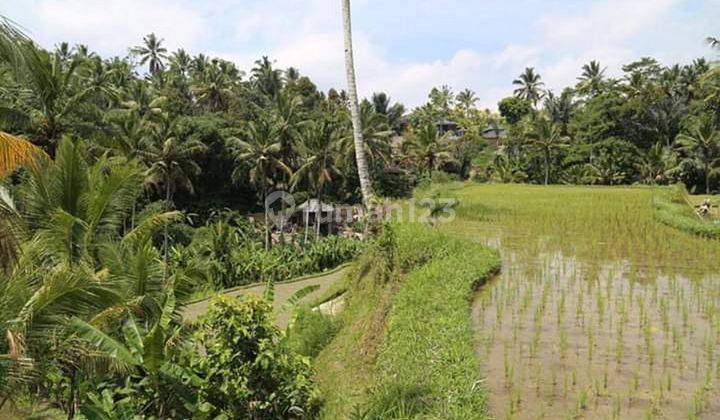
600 311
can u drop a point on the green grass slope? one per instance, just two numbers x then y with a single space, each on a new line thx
406 346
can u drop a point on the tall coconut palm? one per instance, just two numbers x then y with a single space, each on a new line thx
591 80
361 160
180 62
466 99
442 99
287 115
320 142
171 162
212 88
151 52
547 138
259 149
530 86
700 148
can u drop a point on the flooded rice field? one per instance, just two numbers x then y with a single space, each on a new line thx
599 311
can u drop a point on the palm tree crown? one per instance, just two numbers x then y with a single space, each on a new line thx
529 86
152 53
466 99
591 80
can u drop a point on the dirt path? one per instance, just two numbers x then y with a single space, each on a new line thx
283 292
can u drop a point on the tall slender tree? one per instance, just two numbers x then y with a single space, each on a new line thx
427 146
546 138
530 86
151 52
171 163
466 99
362 165
591 80
320 148
259 149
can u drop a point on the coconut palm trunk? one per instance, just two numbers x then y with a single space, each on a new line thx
319 215
362 165
165 229
707 177
267 221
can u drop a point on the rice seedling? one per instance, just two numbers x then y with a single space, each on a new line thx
590 279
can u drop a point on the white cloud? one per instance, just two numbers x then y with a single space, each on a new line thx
307 34
604 21
111 26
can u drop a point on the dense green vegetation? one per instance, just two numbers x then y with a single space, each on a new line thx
653 125
102 246
231 252
132 184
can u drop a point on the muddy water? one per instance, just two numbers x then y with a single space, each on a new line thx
616 322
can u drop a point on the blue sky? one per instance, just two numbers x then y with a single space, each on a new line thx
403 47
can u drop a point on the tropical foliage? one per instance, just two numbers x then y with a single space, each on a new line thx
652 125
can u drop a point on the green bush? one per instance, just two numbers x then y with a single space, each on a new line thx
394 183
245 371
442 177
312 331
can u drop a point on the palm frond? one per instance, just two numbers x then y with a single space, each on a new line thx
15 152
151 225
103 342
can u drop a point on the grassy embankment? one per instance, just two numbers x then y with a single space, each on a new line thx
674 208
406 345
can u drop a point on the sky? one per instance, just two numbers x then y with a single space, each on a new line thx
402 47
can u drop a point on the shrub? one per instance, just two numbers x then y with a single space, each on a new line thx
252 263
394 183
442 177
245 371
